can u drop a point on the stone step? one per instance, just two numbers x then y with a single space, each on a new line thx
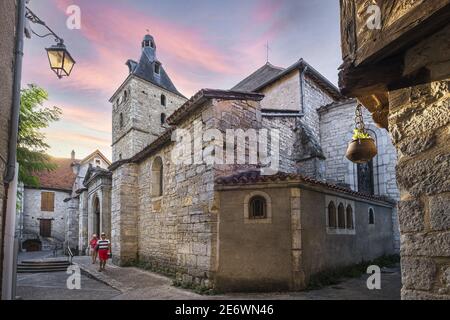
42 266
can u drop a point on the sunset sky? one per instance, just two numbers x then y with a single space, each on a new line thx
201 44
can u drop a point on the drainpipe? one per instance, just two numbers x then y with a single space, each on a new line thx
9 208
12 148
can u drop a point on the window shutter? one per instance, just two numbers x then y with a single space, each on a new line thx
51 198
43 201
48 201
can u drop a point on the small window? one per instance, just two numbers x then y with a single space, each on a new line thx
371 216
341 216
98 162
125 96
163 100
120 156
48 201
331 215
157 68
157 177
258 208
121 120
349 213
163 118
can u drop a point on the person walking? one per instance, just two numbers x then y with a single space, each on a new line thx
93 248
104 246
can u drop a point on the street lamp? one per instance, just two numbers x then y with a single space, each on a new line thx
61 62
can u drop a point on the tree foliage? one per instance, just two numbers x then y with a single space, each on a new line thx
31 145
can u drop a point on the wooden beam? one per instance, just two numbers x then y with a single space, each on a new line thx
423 20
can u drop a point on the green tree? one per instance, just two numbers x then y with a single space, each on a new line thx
31 145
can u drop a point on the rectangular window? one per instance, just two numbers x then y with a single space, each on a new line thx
48 201
157 68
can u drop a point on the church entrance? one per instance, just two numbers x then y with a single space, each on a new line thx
365 178
97 216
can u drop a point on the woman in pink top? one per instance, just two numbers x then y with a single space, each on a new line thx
93 248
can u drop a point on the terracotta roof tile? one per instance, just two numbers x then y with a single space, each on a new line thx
62 178
254 177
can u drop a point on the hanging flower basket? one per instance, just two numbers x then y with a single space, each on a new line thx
363 148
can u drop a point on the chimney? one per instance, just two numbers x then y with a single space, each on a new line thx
72 155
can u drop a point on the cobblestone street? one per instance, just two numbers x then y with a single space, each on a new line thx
135 284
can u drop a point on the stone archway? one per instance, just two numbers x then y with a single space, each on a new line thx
96 216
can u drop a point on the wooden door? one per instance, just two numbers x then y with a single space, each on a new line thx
46 228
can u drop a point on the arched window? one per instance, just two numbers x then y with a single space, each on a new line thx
331 215
121 120
371 216
163 100
157 177
163 118
125 95
349 213
341 216
258 208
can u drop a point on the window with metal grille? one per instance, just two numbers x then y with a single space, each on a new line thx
371 216
258 208
331 215
350 217
341 216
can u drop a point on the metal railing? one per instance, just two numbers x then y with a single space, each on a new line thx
70 254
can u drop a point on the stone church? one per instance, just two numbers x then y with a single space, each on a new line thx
229 226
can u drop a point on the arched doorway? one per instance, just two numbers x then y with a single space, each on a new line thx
96 216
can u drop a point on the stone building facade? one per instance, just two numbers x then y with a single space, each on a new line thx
171 180
49 217
334 140
406 89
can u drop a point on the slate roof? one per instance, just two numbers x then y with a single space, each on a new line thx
144 69
94 172
258 78
268 74
62 178
254 177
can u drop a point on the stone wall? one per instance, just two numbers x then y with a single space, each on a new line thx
314 98
83 236
283 94
177 232
7 44
337 122
419 123
325 249
287 127
72 224
124 211
32 212
141 113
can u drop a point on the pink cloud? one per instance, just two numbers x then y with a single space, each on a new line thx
266 10
116 37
